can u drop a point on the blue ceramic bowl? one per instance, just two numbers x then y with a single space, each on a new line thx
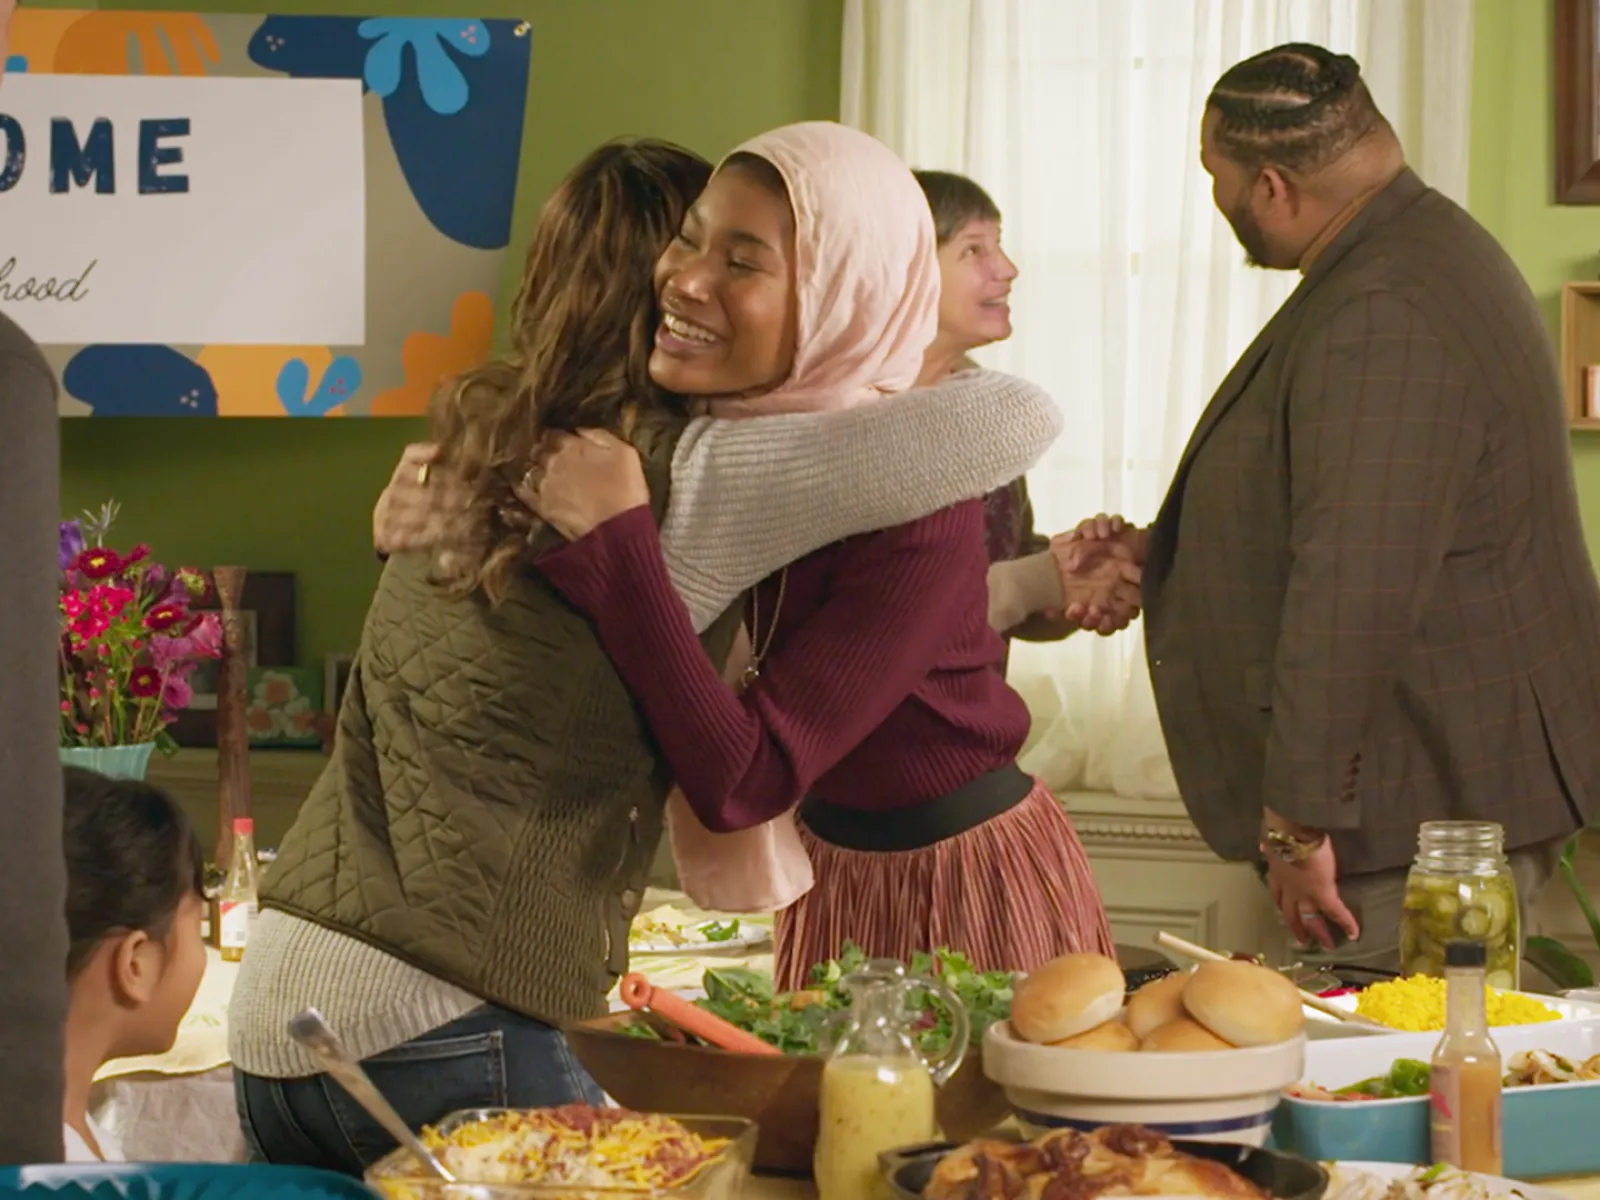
1549 1131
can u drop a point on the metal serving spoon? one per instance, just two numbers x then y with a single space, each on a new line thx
311 1031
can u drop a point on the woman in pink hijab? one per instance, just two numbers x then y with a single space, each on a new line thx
806 276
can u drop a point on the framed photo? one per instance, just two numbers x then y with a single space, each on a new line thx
267 613
1577 52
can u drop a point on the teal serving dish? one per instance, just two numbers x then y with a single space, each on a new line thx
1549 1130
178 1181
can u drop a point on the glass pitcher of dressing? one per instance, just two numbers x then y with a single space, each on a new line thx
877 1084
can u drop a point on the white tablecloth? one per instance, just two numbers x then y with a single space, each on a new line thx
171 1118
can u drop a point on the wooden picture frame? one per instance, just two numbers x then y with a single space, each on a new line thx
1577 53
268 610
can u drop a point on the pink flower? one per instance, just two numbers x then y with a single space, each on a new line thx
90 625
97 562
164 616
110 599
207 635
144 682
177 693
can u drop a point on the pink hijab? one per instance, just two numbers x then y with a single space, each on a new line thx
866 269
867 281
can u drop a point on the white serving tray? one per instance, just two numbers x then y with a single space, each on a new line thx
1321 1027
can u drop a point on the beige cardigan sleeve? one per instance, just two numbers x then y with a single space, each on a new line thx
750 496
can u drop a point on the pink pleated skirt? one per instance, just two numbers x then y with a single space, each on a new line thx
1010 894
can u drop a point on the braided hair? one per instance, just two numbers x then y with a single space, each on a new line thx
1297 106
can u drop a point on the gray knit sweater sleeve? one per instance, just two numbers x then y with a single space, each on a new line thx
750 496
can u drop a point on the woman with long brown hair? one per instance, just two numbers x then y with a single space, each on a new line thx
462 876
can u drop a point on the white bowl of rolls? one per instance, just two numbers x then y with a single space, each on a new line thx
1202 1054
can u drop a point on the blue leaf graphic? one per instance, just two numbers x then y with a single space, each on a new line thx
140 381
382 70
310 47
462 168
339 383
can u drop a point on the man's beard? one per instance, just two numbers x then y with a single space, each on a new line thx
1248 231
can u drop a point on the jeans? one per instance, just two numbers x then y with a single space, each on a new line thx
490 1058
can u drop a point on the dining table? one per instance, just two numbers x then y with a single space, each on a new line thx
179 1106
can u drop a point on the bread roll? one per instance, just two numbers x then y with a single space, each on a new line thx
1067 996
1243 1003
1183 1036
1156 1003
1112 1036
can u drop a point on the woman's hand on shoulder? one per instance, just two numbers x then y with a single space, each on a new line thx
420 496
581 480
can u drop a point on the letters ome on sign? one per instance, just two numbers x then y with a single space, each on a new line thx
213 211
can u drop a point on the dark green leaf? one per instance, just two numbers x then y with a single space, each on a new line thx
1563 968
737 983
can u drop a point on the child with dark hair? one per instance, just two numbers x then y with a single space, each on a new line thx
135 894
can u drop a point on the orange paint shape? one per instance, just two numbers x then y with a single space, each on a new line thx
429 358
103 43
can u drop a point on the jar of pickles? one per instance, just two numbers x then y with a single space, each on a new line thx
1461 888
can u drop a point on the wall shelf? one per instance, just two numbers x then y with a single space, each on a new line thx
1580 348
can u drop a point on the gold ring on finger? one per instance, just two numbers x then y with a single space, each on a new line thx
422 474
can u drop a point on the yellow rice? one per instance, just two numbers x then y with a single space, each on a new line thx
1416 1005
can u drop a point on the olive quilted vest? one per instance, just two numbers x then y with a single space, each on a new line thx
494 799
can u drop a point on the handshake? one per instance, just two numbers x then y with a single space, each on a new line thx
1087 579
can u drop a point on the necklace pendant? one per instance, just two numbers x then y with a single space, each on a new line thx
750 674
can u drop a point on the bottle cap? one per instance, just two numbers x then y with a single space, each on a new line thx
244 825
1465 954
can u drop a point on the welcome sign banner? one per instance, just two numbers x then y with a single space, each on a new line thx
255 215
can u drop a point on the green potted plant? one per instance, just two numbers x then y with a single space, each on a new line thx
1560 964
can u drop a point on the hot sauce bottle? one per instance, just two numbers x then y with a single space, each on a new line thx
1464 1095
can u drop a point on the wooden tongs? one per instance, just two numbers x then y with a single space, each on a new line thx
1310 999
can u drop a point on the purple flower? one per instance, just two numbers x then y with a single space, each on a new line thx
71 544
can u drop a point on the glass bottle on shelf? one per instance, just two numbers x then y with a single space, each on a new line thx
1460 888
1465 1084
877 1084
241 892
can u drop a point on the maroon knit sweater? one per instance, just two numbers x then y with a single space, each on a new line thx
878 689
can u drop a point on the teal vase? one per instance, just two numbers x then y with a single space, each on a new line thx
120 762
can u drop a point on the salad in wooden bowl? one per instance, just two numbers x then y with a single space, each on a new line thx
635 1059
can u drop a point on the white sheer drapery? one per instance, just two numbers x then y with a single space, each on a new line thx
1082 119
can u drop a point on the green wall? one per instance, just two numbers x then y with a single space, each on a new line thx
297 496
1513 180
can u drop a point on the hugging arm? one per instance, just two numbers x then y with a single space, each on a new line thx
750 495
744 759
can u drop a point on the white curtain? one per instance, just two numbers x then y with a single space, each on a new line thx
1082 119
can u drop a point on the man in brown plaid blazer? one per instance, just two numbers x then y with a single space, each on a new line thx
1368 601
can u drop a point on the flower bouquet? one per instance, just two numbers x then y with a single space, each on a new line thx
130 639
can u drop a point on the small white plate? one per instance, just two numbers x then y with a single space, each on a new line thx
1496 1184
753 940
